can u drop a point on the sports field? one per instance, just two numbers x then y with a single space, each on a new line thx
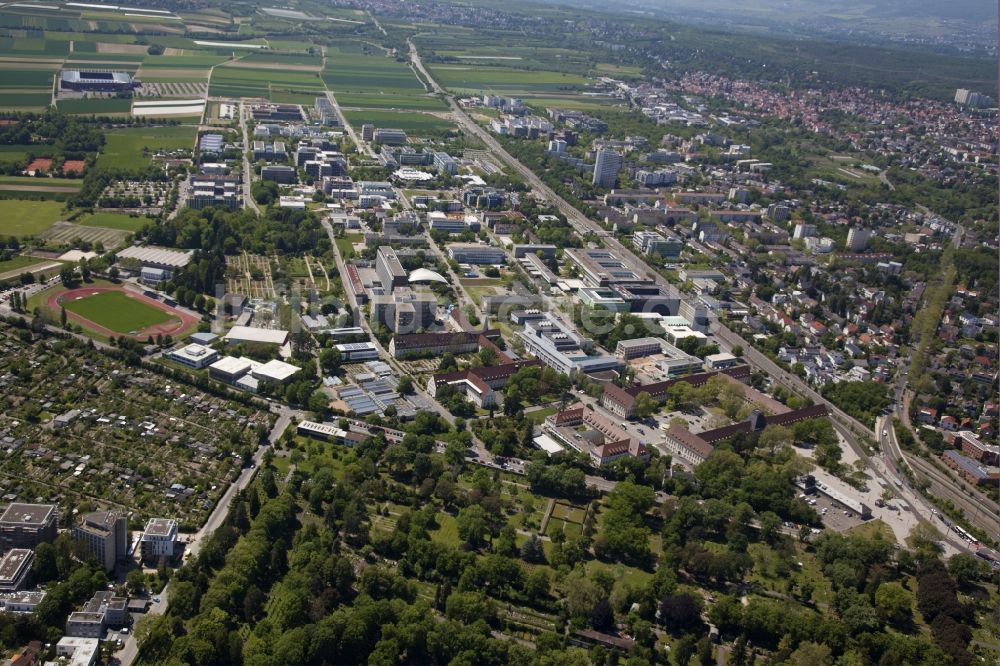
114 310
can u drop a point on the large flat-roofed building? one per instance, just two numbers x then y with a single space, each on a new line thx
279 173
251 334
78 651
602 268
476 253
105 534
96 81
159 539
602 299
402 346
561 348
389 269
405 311
652 242
156 257
274 372
230 368
357 351
194 356
27 525
392 137
15 566
209 191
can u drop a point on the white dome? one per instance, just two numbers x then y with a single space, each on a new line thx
426 275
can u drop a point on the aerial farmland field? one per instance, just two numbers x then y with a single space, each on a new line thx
124 148
410 122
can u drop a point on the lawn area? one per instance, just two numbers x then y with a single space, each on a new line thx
20 262
540 415
27 218
345 244
620 572
408 122
123 148
117 312
447 533
113 221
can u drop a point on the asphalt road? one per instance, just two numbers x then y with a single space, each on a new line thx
128 654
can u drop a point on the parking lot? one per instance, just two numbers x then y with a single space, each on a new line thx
833 514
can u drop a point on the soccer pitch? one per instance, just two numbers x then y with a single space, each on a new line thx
117 312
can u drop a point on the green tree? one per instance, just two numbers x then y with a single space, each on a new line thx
894 604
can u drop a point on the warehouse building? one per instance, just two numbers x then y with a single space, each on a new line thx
263 336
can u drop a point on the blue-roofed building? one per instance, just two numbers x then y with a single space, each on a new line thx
973 472
203 338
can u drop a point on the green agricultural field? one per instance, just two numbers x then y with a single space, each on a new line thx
33 46
95 106
117 312
182 62
123 147
242 82
478 79
356 68
409 122
113 221
27 78
25 100
27 218
416 102
270 58
577 102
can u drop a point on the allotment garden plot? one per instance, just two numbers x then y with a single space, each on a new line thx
138 441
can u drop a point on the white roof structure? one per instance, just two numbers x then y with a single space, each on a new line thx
159 256
549 445
194 352
426 275
232 366
262 335
276 371
413 175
